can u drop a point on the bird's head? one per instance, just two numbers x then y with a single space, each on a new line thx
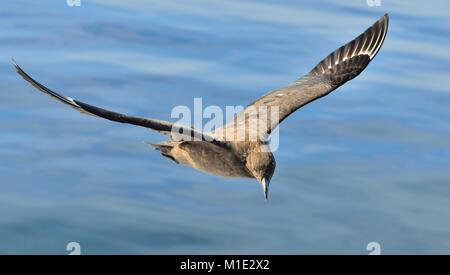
261 165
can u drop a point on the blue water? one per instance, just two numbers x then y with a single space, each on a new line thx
368 163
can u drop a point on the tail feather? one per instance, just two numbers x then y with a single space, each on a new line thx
165 148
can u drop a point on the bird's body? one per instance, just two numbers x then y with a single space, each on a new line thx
226 161
239 148
207 157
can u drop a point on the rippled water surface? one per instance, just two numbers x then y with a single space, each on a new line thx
368 163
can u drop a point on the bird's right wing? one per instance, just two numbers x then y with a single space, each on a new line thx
178 132
332 72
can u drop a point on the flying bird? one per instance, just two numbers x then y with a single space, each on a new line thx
219 152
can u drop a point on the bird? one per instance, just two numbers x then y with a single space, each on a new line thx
219 152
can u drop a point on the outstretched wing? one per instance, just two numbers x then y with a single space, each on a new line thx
164 127
337 68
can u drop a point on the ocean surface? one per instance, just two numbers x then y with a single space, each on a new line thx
368 163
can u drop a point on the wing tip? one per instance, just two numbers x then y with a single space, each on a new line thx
384 25
16 66
367 43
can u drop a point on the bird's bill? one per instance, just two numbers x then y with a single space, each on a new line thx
265 187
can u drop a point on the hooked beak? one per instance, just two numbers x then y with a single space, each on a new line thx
265 187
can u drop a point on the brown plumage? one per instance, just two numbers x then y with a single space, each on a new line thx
239 148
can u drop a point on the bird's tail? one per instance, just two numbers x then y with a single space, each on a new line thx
165 148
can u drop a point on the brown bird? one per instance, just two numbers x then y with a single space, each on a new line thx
230 151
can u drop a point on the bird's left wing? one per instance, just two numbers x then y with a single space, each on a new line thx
164 127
